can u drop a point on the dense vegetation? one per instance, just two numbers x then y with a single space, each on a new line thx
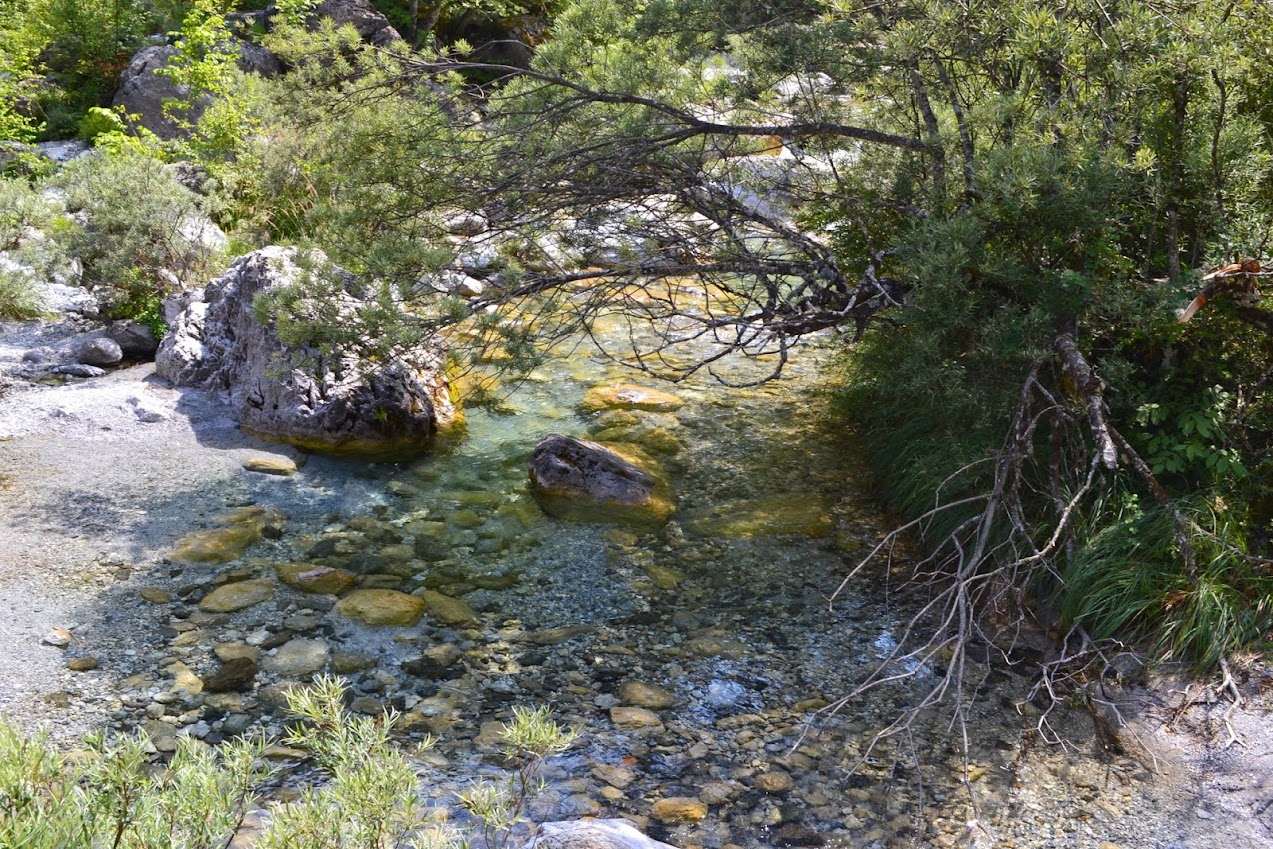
997 206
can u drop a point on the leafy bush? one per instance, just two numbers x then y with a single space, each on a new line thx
98 121
115 797
29 225
144 235
1129 578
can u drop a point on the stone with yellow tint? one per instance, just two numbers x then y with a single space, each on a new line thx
679 810
271 465
382 607
240 529
802 514
228 598
309 578
628 396
663 577
448 610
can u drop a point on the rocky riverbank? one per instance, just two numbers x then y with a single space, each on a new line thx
691 657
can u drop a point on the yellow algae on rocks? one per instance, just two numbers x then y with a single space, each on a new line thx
228 598
382 607
240 529
309 578
272 465
803 514
448 610
630 397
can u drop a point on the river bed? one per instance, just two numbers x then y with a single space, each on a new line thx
695 659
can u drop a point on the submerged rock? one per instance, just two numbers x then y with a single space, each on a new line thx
592 834
795 513
577 479
382 607
231 597
630 397
334 403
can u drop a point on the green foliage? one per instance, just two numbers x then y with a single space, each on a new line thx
85 44
143 239
114 796
18 52
98 121
1129 578
372 796
528 739
30 227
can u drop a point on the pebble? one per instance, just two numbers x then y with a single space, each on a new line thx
645 695
775 781
81 664
273 465
155 595
229 598
634 718
678 810
382 607
297 657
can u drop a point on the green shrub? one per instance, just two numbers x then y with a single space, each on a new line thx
137 244
1129 578
98 121
29 226
369 796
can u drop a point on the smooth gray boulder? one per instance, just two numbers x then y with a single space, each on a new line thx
577 479
592 834
101 351
135 340
331 403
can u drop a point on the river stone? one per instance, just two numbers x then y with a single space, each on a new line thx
155 595
663 577
774 781
283 466
227 652
630 397
679 810
449 611
216 545
101 351
235 675
78 370
577 479
804 514
711 645
185 682
82 664
634 718
332 402
382 607
296 657
615 776
228 598
309 578
641 694
591 834
436 662
135 339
